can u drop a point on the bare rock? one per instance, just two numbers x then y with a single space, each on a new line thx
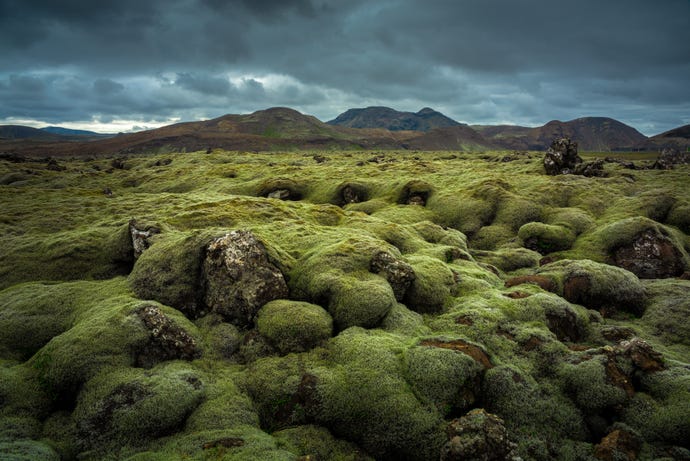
239 278
478 436
643 357
167 340
670 157
591 169
399 274
618 445
140 236
650 255
280 194
561 157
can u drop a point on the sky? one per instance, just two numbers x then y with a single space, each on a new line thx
128 65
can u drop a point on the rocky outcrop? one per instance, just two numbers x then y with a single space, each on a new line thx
140 236
561 157
238 277
399 274
478 436
167 340
650 255
670 157
618 445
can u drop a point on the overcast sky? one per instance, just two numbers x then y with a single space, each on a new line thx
129 64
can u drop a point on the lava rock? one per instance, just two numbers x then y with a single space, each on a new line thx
399 274
650 255
478 436
167 340
561 157
140 237
670 157
618 445
238 277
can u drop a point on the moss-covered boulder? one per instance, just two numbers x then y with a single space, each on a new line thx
294 326
478 436
445 377
644 247
129 407
597 286
315 442
433 284
168 272
546 238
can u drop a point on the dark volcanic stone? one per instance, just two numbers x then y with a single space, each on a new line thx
140 236
167 340
561 157
239 278
399 274
650 256
670 157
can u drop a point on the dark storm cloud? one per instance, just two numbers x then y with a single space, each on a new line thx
478 61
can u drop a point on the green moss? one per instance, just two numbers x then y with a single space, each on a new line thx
243 443
27 450
433 233
575 219
546 238
402 320
514 212
596 285
667 315
531 411
32 314
318 443
224 407
679 216
22 395
463 213
128 407
432 287
362 301
492 237
449 379
509 259
168 272
589 386
108 335
293 326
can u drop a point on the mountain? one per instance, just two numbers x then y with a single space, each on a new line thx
70 132
598 134
677 138
393 120
461 137
25 132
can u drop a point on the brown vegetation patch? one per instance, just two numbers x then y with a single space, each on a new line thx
461 346
226 442
544 282
618 445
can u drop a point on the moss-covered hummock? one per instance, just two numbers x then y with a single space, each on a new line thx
293 326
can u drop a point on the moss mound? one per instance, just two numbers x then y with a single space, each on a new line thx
293 326
546 238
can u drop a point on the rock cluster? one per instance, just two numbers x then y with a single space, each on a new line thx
670 157
562 158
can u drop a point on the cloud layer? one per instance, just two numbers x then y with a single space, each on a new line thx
478 61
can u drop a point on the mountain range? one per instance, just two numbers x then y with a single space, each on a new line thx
282 128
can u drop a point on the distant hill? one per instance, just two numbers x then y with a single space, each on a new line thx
70 132
281 128
677 138
600 134
393 120
25 132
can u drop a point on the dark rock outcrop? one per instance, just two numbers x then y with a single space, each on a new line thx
167 340
399 274
478 436
650 256
561 157
238 277
670 157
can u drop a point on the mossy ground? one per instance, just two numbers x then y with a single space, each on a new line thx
372 383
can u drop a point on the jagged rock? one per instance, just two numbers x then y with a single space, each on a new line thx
617 333
168 341
618 445
561 157
140 236
238 277
670 157
591 169
478 436
624 163
650 256
642 355
399 274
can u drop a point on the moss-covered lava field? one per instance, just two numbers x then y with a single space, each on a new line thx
342 306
